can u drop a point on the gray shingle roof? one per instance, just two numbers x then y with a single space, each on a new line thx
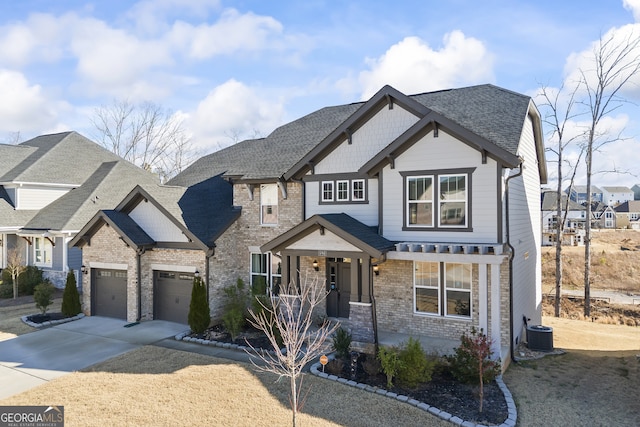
360 231
550 198
104 189
492 113
9 217
62 158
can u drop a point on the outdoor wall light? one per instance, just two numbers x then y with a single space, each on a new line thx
197 273
84 269
376 270
315 265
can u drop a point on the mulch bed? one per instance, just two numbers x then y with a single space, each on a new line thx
48 317
445 393
248 335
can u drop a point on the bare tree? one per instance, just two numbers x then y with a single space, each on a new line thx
145 134
15 266
614 61
289 318
561 112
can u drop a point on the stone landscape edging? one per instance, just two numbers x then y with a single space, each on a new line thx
26 320
511 406
184 336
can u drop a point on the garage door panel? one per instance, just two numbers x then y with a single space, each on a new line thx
172 296
110 293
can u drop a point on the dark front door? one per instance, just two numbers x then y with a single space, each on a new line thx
339 288
109 288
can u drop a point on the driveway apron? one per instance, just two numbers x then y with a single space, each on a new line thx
35 358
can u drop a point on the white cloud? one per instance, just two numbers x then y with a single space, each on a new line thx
233 32
412 66
233 111
24 107
150 16
634 7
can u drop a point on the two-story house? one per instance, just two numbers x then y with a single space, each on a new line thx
50 186
574 216
421 214
578 193
615 195
628 215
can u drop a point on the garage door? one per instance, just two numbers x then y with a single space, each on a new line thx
172 295
109 290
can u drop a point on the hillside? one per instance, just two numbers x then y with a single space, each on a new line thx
615 266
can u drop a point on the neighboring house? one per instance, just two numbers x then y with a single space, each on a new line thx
420 213
50 186
628 215
604 216
613 196
579 194
636 191
574 232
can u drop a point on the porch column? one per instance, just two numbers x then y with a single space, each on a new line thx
495 309
286 259
366 280
482 298
355 291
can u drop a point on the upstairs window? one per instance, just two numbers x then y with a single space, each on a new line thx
327 191
357 190
437 201
269 204
343 191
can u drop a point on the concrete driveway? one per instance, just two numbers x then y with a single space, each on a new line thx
35 358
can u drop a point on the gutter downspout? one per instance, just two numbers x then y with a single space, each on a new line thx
511 256
139 253
207 258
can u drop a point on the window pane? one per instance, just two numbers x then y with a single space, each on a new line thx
327 191
452 213
458 276
427 300
258 263
458 303
453 200
421 214
420 188
426 274
358 189
269 203
343 190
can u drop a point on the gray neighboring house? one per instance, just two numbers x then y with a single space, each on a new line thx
574 231
421 214
50 186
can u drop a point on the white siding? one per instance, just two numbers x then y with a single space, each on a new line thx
156 224
525 236
365 213
38 197
328 242
443 152
367 141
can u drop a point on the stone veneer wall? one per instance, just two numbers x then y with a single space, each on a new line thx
393 290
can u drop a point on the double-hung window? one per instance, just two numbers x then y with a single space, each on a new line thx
442 289
327 191
437 200
342 192
357 190
42 249
269 204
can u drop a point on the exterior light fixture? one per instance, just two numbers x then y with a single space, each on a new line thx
84 269
315 265
197 273
376 270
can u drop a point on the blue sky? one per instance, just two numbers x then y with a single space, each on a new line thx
241 68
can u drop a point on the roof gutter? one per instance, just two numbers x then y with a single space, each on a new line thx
511 256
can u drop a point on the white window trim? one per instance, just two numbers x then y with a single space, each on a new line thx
432 201
470 291
262 188
353 186
465 201
338 190
438 288
44 250
442 293
322 193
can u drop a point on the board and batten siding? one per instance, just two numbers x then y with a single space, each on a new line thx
327 241
31 198
156 224
366 213
435 154
367 141
525 236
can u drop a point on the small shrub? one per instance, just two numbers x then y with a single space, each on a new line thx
199 315
6 277
6 290
371 365
43 296
29 279
414 367
464 362
234 317
390 363
335 367
342 343
70 296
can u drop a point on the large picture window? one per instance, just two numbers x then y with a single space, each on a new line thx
266 273
437 200
442 289
269 204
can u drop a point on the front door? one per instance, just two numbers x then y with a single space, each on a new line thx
339 288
